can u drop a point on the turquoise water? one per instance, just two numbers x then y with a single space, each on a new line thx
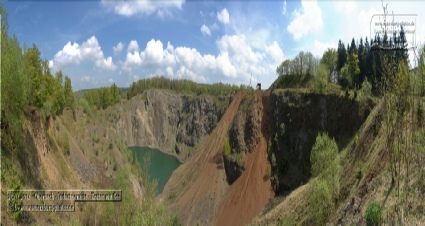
160 167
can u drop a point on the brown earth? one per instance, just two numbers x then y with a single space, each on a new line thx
251 191
198 190
198 186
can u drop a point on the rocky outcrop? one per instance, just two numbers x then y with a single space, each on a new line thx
296 118
243 133
171 122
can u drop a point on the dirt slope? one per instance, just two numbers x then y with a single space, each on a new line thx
197 187
250 192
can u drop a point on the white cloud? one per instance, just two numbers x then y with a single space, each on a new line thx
320 47
223 16
86 79
205 30
133 46
74 54
284 7
106 64
162 13
275 51
133 59
118 49
170 71
307 20
235 62
111 80
144 7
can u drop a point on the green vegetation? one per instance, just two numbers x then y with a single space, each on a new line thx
321 79
103 97
374 214
27 82
186 87
66 147
325 166
321 202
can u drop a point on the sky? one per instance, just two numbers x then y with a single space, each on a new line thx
97 43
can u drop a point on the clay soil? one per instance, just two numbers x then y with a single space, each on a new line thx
251 191
198 190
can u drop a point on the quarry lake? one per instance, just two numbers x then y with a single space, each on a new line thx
159 165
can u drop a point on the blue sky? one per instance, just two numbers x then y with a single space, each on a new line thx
98 43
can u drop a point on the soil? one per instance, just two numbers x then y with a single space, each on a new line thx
198 186
250 192
198 190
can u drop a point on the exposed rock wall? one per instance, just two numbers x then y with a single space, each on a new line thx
296 118
171 122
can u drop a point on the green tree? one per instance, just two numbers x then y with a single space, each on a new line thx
13 81
69 95
329 59
321 78
342 56
33 70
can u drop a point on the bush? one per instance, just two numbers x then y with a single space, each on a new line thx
374 214
66 147
324 160
111 145
86 106
226 147
359 173
320 202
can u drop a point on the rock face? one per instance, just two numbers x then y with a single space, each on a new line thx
171 122
243 132
296 118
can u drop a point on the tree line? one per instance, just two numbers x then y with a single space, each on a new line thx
104 96
182 86
351 65
26 82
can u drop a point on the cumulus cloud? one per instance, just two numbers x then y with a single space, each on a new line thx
106 63
133 59
320 47
308 19
133 46
223 16
74 54
143 7
205 30
275 51
235 61
118 49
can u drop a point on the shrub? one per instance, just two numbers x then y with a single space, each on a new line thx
66 147
111 145
268 173
359 173
324 160
226 147
86 106
374 214
320 202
